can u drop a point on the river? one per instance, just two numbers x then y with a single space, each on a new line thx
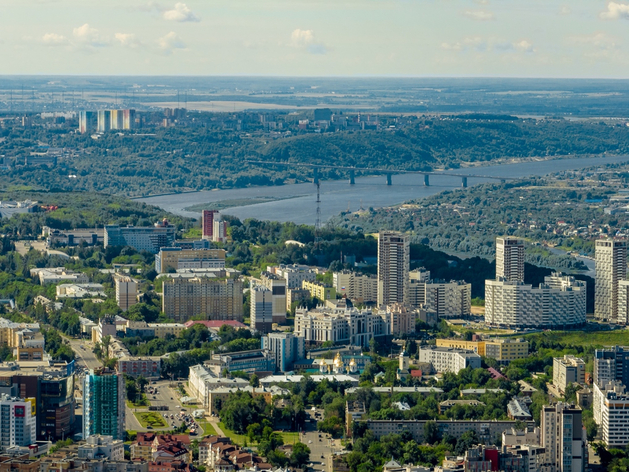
298 202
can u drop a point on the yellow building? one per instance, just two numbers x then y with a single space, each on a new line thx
506 350
503 350
476 346
318 290
162 329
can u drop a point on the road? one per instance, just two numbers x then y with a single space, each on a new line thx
320 444
83 350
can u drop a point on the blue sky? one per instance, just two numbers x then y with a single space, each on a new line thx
505 38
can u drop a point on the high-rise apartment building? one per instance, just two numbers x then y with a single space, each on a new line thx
611 364
214 298
294 274
141 238
277 286
117 119
87 121
563 437
170 259
568 370
56 414
126 291
559 302
623 302
361 288
207 223
261 309
611 268
393 268
103 404
18 422
510 259
128 119
286 348
104 121
610 404
219 233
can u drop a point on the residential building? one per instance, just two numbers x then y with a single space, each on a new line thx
98 446
147 367
361 288
277 286
623 302
294 274
296 295
475 346
106 327
219 233
319 290
171 259
611 268
212 297
559 302
393 268
611 405
568 370
103 404
207 223
351 326
104 121
55 275
505 350
126 291
417 286
611 364
286 348
448 299
141 238
24 339
87 121
18 421
510 259
400 318
488 432
446 359
563 437
161 330
518 409
261 309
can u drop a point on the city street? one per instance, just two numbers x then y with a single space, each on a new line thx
319 443
83 350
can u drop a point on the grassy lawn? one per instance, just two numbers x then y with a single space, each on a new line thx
584 338
239 439
208 428
291 437
152 419
141 402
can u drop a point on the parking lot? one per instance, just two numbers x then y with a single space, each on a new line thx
161 394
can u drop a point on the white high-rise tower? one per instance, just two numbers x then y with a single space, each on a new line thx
394 258
510 259
611 268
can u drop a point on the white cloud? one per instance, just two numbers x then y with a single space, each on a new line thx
128 40
478 15
490 44
615 11
524 46
305 39
482 2
170 41
597 40
87 36
565 10
54 39
180 13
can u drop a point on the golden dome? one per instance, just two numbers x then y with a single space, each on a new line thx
352 362
337 360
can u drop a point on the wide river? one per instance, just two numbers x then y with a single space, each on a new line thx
298 201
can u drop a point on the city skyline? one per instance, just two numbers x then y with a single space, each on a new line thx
451 38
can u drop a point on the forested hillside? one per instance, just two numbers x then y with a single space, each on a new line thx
177 159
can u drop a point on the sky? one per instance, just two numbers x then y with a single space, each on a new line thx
407 38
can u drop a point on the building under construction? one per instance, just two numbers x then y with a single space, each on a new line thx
103 404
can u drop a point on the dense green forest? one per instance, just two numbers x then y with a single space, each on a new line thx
162 160
468 221
81 210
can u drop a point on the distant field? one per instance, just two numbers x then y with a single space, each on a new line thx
581 338
227 106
